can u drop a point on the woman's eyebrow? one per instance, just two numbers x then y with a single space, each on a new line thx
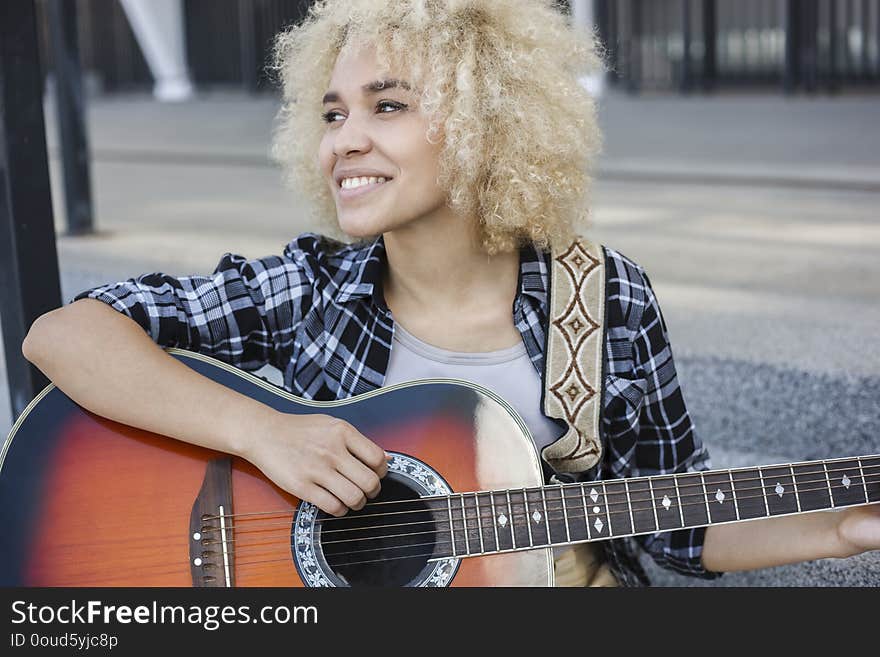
369 88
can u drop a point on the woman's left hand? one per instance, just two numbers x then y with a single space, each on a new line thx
859 529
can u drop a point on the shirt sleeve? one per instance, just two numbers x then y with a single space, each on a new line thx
244 313
666 442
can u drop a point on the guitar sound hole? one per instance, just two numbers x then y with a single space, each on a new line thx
387 543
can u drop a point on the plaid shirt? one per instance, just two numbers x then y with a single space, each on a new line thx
317 313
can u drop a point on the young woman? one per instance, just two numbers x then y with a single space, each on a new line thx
450 142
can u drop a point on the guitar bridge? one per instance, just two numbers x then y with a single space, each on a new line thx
211 549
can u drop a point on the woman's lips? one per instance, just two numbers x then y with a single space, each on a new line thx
346 194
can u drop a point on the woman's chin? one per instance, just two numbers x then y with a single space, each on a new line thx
361 229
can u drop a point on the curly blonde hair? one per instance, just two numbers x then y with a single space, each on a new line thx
498 79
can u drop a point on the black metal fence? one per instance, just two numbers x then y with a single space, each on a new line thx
228 42
813 45
809 45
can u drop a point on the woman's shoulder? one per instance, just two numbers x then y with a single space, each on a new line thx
628 288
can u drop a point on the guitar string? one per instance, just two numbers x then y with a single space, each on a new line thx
564 490
564 510
578 485
469 528
241 550
564 507
470 520
243 564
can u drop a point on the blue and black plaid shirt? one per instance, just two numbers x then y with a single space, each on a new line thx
317 313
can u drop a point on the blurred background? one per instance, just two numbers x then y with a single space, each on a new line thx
740 168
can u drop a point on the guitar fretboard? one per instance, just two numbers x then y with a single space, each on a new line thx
487 522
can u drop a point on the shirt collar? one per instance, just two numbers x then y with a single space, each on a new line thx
367 262
362 275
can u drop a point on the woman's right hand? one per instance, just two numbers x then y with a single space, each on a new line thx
318 458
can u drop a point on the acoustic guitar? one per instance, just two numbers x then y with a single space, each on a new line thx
85 501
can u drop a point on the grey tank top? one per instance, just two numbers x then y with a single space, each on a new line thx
506 372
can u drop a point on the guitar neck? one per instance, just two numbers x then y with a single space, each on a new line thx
488 522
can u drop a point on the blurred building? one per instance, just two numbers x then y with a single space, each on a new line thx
665 45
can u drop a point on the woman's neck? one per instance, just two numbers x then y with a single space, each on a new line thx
442 264
446 290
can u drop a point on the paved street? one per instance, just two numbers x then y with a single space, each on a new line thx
756 217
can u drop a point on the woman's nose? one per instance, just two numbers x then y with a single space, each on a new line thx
351 137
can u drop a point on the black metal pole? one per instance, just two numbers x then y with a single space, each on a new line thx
247 44
634 47
831 76
710 47
70 112
29 280
686 76
810 44
792 47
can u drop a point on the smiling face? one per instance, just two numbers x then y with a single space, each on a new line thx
371 132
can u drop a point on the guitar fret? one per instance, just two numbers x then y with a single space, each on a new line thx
764 492
467 542
794 484
721 508
864 483
813 489
616 502
874 491
607 510
828 481
479 521
510 512
748 504
678 495
632 522
546 516
706 497
586 510
494 519
778 492
733 493
451 525
653 503
528 515
692 508
564 514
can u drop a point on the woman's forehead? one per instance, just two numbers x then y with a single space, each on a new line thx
359 71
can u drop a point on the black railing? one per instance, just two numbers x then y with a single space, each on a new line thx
810 45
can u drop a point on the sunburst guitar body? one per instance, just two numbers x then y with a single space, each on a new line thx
85 501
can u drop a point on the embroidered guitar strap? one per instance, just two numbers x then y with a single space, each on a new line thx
573 358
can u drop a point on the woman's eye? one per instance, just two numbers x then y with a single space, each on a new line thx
330 117
388 103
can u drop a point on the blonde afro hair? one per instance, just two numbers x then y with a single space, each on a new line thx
499 79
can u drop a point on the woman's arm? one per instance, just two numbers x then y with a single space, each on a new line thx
105 362
791 539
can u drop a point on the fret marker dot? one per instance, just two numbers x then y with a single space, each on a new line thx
502 520
666 502
598 525
845 481
779 489
197 561
719 495
593 494
596 509
536 517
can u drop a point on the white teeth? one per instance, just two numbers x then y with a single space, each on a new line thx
352 183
